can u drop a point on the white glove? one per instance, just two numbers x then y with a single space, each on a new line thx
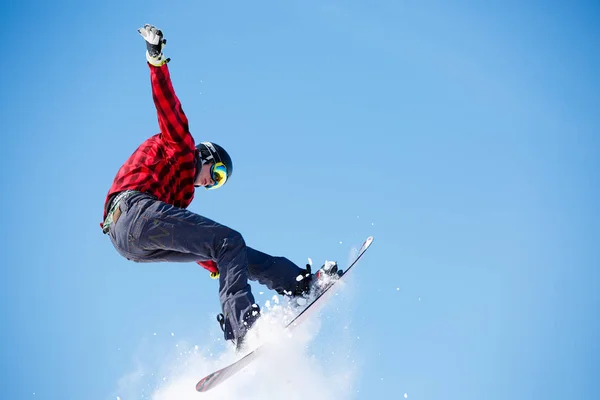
154 45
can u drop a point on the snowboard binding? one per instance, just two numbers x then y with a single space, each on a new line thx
308 283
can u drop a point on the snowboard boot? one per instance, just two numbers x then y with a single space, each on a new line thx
249 320
308 283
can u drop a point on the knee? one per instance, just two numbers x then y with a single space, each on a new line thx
226 243
233 239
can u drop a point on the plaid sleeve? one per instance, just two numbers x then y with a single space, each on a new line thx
171 119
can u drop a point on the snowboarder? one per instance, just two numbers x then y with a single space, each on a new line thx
146 218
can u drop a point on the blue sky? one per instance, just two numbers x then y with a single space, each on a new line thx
463 137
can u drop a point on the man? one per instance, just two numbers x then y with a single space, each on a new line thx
145 212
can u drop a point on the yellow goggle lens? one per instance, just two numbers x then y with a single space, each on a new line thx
219 175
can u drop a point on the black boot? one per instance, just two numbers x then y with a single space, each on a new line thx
308 283
303 283
249 320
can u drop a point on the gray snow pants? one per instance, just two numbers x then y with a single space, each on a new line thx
149 230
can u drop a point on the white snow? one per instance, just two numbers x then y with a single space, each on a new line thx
301 301
406 395
286 364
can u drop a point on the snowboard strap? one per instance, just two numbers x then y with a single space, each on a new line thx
221 320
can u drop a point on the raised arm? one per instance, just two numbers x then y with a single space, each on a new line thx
172 120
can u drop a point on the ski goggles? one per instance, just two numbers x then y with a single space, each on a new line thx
218 173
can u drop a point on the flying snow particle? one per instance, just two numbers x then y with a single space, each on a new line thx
397 288
301 301
406 395
172 334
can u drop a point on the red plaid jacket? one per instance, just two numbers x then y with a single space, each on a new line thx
165 164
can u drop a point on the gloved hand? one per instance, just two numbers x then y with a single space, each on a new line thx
211 266
154 45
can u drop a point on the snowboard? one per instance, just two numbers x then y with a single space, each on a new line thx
216 378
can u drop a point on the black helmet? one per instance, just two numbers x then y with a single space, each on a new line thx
212 152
